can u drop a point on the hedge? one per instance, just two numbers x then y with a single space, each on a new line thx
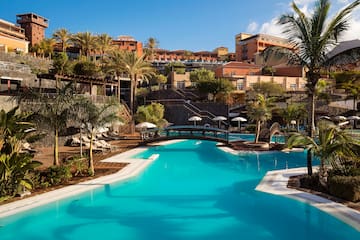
345 187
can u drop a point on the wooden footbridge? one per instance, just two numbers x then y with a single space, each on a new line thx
185 132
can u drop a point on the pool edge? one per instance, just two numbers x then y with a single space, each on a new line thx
275 182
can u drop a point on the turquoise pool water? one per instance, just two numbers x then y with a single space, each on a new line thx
193 191
251 137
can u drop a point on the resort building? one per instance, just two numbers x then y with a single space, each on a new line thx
128 43
228 70
12 38
179 80
162 55
221 51
34 26
247 46
244 75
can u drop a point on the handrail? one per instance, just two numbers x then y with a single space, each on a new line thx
187 132
186 92
199 114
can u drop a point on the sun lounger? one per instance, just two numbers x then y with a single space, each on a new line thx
105 144
25 147
75 142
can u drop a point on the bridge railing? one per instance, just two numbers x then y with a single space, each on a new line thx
186 131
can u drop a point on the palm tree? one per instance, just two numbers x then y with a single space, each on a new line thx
260 111
104 44
94 117
350 82
63 36
135 67
86 42
151 45
113 65
312 36
46 47
52 111
332 145
293 111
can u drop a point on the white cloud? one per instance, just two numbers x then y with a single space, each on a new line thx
354 30
252 27
271 27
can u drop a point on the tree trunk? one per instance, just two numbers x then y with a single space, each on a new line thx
91 160
309 162
311 119
81 147
132 102
258 124
56 147
119 90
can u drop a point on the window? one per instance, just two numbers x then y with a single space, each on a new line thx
293 86
180 84
240 86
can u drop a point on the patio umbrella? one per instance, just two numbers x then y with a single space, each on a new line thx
219 119
145 125
353 118
239 120
340 118
195 119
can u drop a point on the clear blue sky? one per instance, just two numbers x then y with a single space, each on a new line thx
177 24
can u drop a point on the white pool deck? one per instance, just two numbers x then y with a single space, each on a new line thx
274 182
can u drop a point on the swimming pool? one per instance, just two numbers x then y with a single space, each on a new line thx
192 191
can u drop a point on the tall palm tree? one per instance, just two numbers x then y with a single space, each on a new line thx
260 111
104 44
312 37
332 145
136 67
113 65
93 117
63 36
52 111
151 45
86 42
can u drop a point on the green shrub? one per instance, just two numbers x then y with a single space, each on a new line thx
345 187
250 128
55 175
312 182
78 165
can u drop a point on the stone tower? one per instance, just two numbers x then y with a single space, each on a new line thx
34 26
